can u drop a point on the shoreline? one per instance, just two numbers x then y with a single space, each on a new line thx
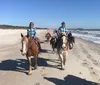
97 44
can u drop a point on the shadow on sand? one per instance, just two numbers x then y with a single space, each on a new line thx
46 51
21 65
71 80
43 41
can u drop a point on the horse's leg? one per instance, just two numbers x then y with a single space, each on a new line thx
69 46
74 40
53 46
35 66
61 59
72 44
48 40
30 66
64 58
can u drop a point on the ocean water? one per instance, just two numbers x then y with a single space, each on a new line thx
90 35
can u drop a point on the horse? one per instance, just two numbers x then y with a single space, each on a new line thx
62 49
29 48
48 36
71 41
53 43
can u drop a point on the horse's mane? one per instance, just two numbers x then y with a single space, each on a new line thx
59 42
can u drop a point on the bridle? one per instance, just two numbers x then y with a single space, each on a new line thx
28 43
66 42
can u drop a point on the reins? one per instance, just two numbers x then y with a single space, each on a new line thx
29 44
66 41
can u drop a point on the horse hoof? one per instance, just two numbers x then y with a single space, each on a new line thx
62 68
35 67
29 73
53 52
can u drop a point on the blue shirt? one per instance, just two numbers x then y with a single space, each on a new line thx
31 32
61 29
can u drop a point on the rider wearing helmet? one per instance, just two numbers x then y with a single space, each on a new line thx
62 29
31 31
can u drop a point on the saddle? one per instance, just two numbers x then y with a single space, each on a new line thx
36 42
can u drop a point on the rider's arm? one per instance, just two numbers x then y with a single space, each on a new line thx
66 31
34 31
59 30
28 32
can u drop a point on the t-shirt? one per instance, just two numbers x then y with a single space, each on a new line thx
31 32
61 29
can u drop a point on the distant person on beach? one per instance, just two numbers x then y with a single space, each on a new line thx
31 31
62 29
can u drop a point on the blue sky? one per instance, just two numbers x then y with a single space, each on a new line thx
50 13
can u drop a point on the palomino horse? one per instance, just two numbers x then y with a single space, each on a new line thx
29 48
62 49
48 36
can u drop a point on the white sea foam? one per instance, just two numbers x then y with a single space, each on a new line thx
93 36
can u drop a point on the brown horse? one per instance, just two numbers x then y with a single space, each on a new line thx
29 48
48 36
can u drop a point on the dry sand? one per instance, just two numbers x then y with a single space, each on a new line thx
82 67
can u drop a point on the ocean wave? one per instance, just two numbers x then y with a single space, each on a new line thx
93 36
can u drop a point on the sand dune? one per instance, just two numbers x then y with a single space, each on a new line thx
82 67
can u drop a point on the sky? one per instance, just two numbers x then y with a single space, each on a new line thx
50 13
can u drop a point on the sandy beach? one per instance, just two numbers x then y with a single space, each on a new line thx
82 67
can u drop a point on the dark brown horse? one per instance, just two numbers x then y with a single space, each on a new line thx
71 41
29 48
48 36
53 43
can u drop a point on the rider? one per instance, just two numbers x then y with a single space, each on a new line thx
55 34
48 30
31 31
62 29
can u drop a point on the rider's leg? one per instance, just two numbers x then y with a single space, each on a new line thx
38 43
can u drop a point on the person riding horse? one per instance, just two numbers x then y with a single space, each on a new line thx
62 44
57 34
62 29
31 31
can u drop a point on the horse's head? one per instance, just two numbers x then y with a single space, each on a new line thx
48 36
24 42
64 40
